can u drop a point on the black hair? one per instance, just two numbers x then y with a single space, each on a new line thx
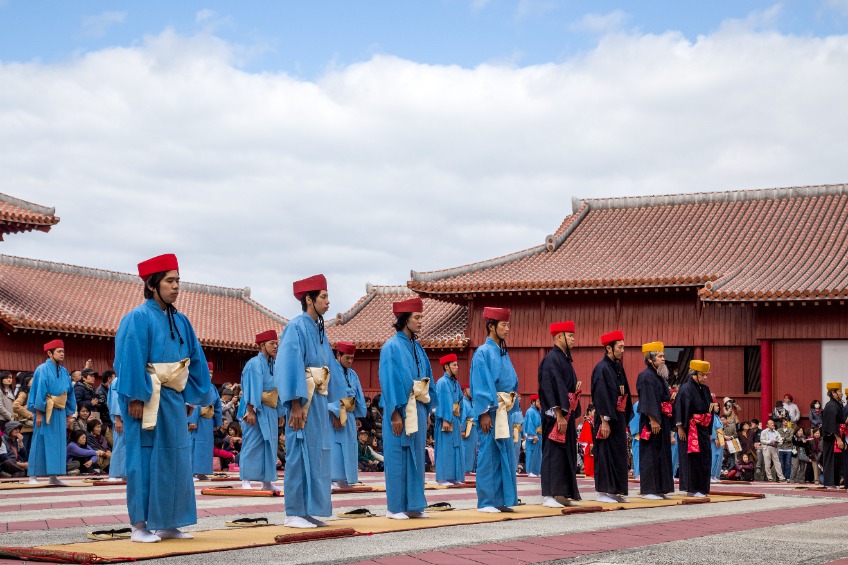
3 375
108 374
76 434
153 280
490 322
402 320
93 423
26 381
85 405
313 294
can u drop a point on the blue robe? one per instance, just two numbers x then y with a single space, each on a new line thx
203 437
160 489
532 451
48 450
634 438
118 463
469 443
450 463
258 455
345 451
307 481
492 373
403 456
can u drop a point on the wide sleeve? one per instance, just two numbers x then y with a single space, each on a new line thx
290 365
531 422
251 387
360 410
71 404
550 396
634 422
197 391
218 417
483 393
649 395
603 397
131 346
444 402
394 395
338 386
38 391
830 417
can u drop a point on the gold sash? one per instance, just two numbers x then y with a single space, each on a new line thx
538 429
271 398
420 392
207 412
57 402
505 402
457 409
317 380
171 375
346 404
516 432
469 423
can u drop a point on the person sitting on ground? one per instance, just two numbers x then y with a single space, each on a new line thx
232 442
225 456
80 422
367 460
86 457
13 453
96 440
743 470
815 414
281 450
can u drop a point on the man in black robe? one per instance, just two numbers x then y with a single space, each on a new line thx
694 413
560 400
613 410
831 420
655 472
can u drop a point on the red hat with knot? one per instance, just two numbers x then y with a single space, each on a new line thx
269 335
160 264
55 344
534 397
559 327
346 348
411 305
499 314
449 358
607 339
315 282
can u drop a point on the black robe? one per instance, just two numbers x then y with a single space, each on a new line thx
559 460
831 418
655 472
611 454
692 399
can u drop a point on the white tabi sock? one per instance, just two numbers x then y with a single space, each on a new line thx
173 533
298 522
416 514
141 534
266 485
488 509
33 480
606 497
396 515
246 485
550 502
54 480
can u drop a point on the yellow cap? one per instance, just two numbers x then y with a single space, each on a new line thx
833 385
699 366
653 346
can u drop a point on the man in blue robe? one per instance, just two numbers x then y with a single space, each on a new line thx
405 377
533 438
201 427
118 463
309 381
161 368
469 433
343 415
51 399
494 393
448 426
259 412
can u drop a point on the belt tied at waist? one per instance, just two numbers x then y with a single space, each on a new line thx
469 423
505 402
270 398
207 412
317 380
694 446
420 393
346 404
666 408
57 402
171 375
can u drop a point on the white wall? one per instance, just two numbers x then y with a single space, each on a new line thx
834 364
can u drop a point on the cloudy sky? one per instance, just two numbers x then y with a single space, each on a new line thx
264 142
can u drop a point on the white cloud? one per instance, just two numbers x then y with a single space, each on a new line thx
838 6
387 165
601 23
757 20
98 26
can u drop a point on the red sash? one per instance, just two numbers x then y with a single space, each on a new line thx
666 409
573 401
694 446
646 433
621 403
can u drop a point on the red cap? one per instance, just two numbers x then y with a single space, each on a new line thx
449 358
411 305
55 344
211 365
499 314
270 335
559 327
160 264
346 348
534 397
607 339
301 287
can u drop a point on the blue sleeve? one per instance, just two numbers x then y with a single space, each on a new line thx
443 400
290 366
634 421
360 410
131 346
427 373
393 394
218 418
112 401
251 387
199 382
338 386
71 404
37 399
483 392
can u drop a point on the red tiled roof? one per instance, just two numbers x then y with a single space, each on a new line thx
753 245
59 298
369 323
19 215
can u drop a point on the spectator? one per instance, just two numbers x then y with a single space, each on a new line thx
792 411
76 376
759 460
80 453
800 456
281 450
743 470
229 406
97 441
779 413
225 456
815 414
80 422
13 454
769 440
815 454
232 442
23 415
7 398
784 448
367 459
84 390
730 410
102 396
717 437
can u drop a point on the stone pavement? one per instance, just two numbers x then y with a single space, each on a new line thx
788 526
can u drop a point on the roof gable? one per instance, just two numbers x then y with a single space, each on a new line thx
18 215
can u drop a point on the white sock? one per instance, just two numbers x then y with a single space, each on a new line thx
606 497
652 497
246 485
267 485
298 522
551 502
416 514
141 534
445 483
54 480
396 515
488 509
173 533
33 480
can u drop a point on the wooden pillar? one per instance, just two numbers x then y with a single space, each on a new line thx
766 403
